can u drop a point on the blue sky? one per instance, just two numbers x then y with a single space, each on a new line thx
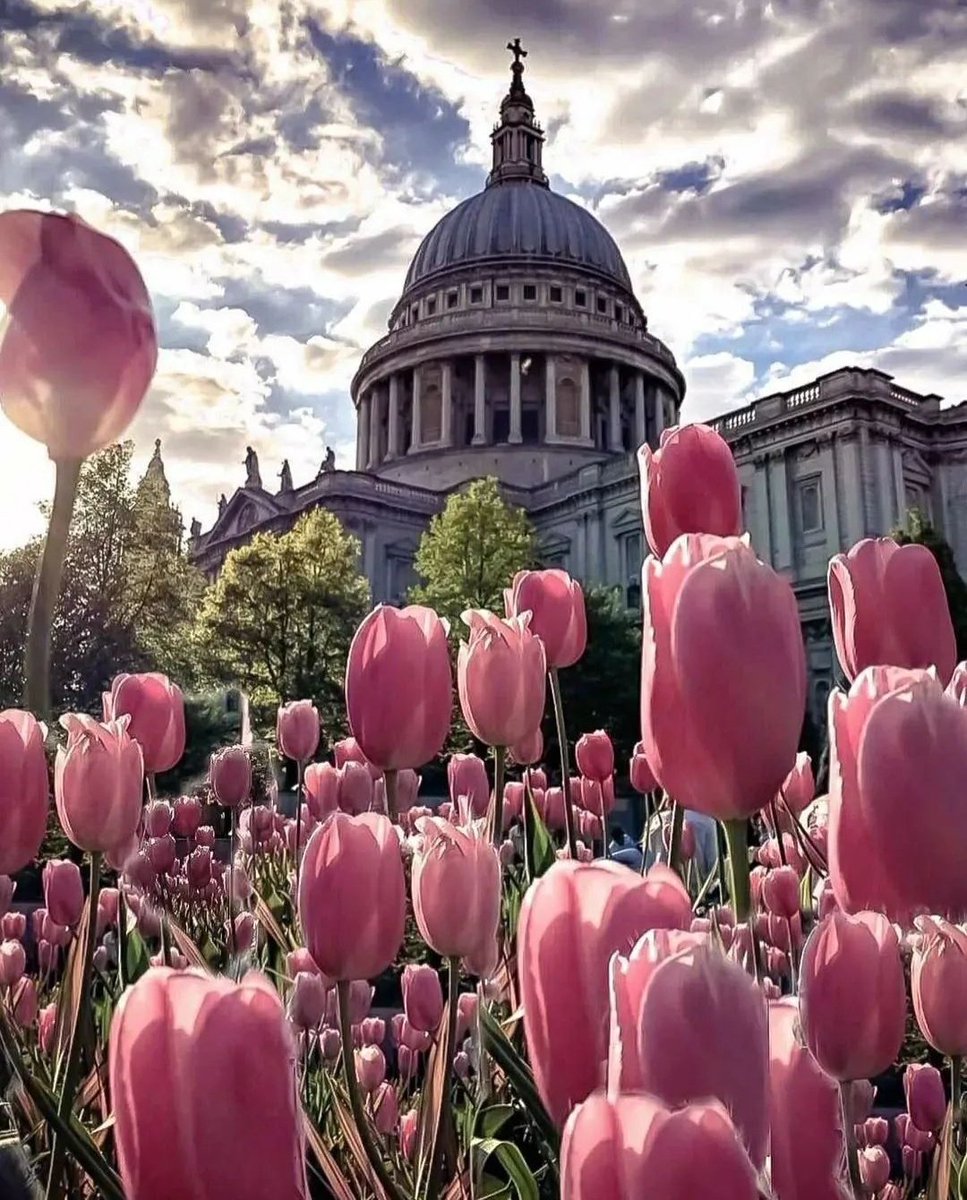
787 181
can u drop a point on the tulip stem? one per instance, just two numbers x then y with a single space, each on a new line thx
389 786
955 1068
675 840
774 813
737 841
555 683
43 601
448 1048
497 815
849 1136
72 1069
645 832
300 770
355 1100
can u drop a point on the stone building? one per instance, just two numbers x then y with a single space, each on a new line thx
519 349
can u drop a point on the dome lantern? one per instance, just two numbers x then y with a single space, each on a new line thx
517 138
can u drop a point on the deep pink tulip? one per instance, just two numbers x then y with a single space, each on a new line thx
98 781
550 808
594 754
530 750
46 1025
13 963
330 1043
556 604
25 1003
852 995
355 789
370 1068
890 608
456 890
195 1036
805 1115
926 1099
307 1001
573 919
874 1168
79 347
657 1008
876 1131
63 891
407 789
938 982
230 776
467 776
156 709
513 803
501 678
642 778
352 895
780 892
246 929
629 1147
7 889
198 867
386 1109
161 854
399 686
108 903
372 1031
300 960
671 504
468 1005
24 794
597 799
14 925
699 748
422 997
297 730
321 783
408 1037
409 1124
157 818
187 816
896 735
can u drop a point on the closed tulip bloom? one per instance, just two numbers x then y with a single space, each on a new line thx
352 896
13 963
528 751
642 778
330 1044
63 891
24 794
671 504
14 925
468 1006
230 776
897 735
409 1124
297 730
198 867
456 889
195 1036
700 750
78 348
558 617
595 756
550 807
370 1068
355 789
187 816
98 780
657 1008
874 1168
780 892
628 1147
890 608
852 995
876 1131
307 1001
161 854
407 789
573 919
372 1031
46 1025
409 1038
25 1003
108 902
501 678
926 1099
7 889
399 686
799 788
347 750
859 1098
157 818
938 982
386 1109
422 997
245 932
156 708
321 784
467 776
300 960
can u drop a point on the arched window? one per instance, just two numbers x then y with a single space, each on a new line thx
431 414
568 408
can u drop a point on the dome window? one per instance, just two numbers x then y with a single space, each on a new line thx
619 312
503 291
581 298
556 294
452 298
430 305
602 304
530 291
476 295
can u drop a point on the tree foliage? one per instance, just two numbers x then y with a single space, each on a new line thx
920 530
472 551
279 619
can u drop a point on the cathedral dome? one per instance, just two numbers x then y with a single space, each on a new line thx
518 219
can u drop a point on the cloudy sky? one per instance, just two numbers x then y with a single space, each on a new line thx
787 180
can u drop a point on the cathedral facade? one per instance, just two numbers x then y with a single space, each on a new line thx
518 349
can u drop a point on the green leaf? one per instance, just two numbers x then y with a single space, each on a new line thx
501 1050
512 1161
541 845
491 1120
136 957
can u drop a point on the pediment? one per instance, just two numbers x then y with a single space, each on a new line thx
628 520
246 509
552 545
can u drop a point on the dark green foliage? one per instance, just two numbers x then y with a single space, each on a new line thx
918 529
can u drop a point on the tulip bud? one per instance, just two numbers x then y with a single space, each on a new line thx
926 1099
780 892
938 978
161 853
456 890
47 955
874 1168
529 750
13 963
467 776
370 1068
25 1002
246 929
407 1063
467 1006
100 959
297 730
330 1043
356 789
507 853
321 784
594 754
307 1001
63 891
642 777
187 816
508 650
876 1131
13 926
155 708
158 816
360 1000
461 1065
300 960
422 997
230 776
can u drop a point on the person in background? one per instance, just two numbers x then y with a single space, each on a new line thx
705 840
623 849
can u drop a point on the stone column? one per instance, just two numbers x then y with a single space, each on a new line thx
614 408
550 399
416 435
362 434
393 446
641 431
374 417
585 401
514 436
446 400
479 408
659 413
899 486
781 523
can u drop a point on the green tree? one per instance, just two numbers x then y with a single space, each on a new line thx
918 529
472 551
279 619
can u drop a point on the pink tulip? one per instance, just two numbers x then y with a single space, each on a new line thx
161 854
852 995
79 346
399 686
321 783
46 1025
386 1109
629 1147
876 1131
13 963
198 866
187 816
47 955
352 896
558 617
25 1003
108 902
300 960
594 754
874 1168
230 776
13 926
859 1097
671 504
98 780
550 808
529 750
889 608
63 891
297 730
307 1001
461 1065
348 750
799 788
456 890
938 982
573 919
24 794
372 1031
422 997
407 789
926 1099
409 1123
896 735
468 1005
183 1032
330 1043
409 1038
7 889
370 1068
355 789
157 818
699 748
780 892
501 678
246 929
642 779
467 776
656 1009
156 709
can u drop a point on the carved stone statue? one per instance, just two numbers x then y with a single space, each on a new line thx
222 504
195 528
285 477
329 462
253 477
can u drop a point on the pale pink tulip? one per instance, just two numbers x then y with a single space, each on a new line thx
501 678
98 781
156 708
24 792
556 604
